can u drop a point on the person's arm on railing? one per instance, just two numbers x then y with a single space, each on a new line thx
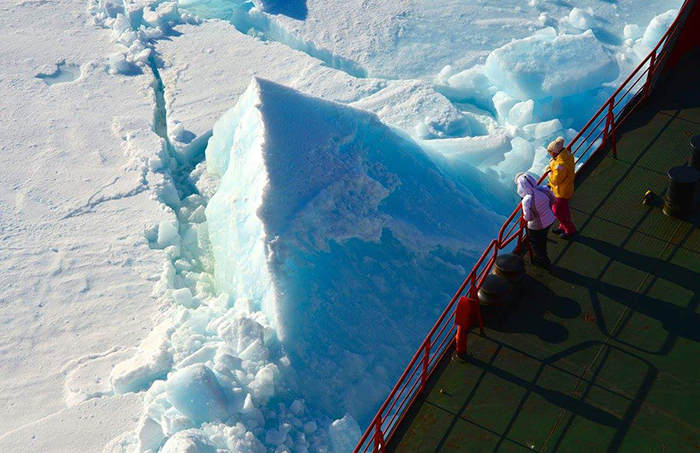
528 211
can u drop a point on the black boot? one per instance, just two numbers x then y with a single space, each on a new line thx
567 236
542 261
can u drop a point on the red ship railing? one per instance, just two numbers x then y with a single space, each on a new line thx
594 136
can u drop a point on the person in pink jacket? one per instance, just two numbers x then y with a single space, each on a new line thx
537 205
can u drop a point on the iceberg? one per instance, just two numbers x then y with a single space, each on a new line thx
343 231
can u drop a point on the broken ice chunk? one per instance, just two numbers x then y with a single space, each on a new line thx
657 28
581 19
345 433
538 67
522 113
196 393
190 441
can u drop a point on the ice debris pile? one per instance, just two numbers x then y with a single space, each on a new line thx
540 87
344 232
537 88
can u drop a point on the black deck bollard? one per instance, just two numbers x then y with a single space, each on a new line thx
681 191
510 267
695 152
494 296
494 291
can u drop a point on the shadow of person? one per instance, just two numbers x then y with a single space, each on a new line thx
560 399
679 275
528 313
296 9
676 320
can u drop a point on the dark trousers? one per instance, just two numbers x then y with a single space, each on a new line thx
538 240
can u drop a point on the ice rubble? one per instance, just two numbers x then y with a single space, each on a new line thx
549 65
321 214
541 87
361 200
536 88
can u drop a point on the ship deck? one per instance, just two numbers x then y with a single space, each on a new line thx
602 353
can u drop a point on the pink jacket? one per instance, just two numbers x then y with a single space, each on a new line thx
537 203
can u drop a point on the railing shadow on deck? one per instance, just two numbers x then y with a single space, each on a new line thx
573 402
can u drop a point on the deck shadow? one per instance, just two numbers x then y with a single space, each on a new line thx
528 314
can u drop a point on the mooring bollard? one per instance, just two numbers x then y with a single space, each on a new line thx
695 152
681 191
510 267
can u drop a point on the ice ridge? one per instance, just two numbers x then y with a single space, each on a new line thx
330 221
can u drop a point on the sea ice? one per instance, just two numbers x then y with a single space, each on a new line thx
631 31
190 441
195 392
345 433
522 113
537 67
582 19
322 198
152 361
657 28
373 213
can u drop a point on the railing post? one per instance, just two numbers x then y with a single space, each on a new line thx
647 84
611 122
473 290
378 435
426 361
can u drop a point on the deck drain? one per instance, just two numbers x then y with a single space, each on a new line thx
590 318
689 134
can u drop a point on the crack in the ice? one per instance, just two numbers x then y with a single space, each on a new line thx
93 203
252 21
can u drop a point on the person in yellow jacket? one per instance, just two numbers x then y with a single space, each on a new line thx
561 181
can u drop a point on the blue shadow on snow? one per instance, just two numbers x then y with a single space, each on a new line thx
296 9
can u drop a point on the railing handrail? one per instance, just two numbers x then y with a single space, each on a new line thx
476 276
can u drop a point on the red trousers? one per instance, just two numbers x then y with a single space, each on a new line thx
563 215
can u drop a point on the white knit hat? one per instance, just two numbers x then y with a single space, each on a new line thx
556 146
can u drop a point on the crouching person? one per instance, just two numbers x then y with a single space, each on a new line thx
537 211
561 180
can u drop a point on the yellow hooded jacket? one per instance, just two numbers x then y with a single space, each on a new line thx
561 179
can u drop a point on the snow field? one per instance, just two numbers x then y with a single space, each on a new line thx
77 189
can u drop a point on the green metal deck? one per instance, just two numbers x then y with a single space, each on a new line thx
602 354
